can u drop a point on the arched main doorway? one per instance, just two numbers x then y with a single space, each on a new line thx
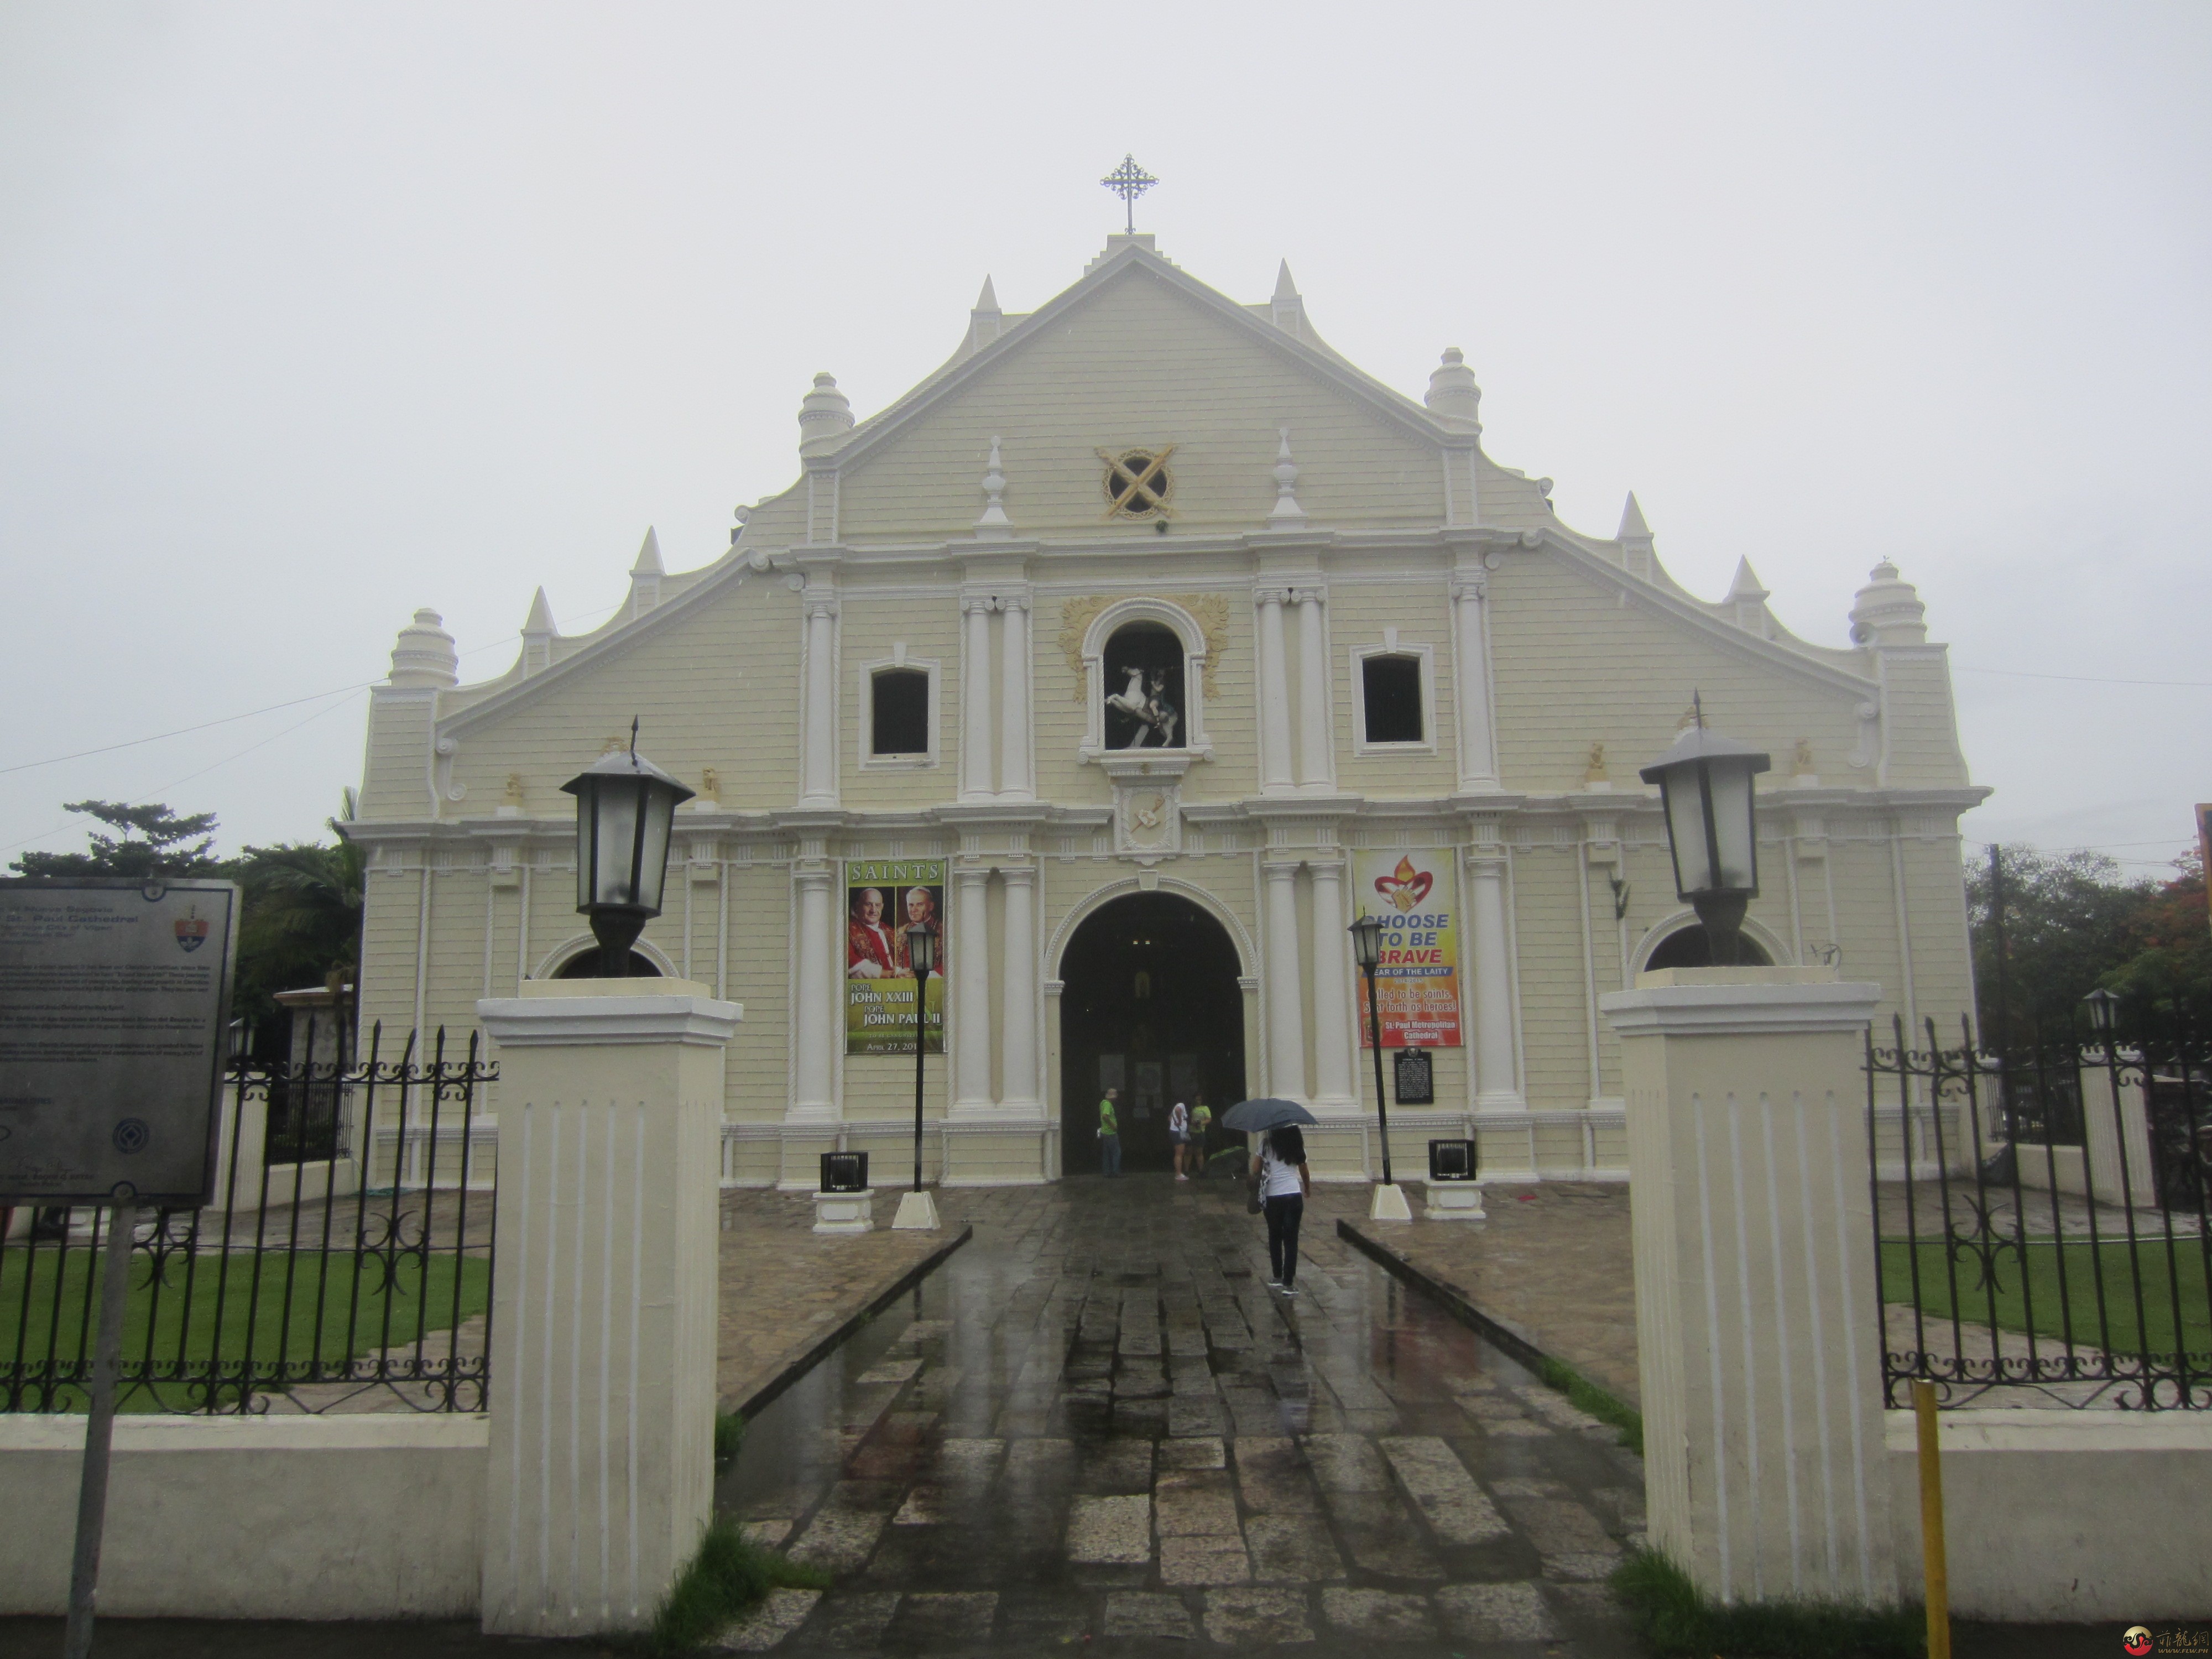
1149 1004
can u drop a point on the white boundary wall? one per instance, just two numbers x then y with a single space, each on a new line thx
366 1516
2073 1516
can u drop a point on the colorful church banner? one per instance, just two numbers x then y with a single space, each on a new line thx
882 899
1417 979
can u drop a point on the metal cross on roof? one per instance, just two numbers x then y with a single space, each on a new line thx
1129 181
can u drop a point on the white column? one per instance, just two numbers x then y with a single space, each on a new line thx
1497 1087
975 777
1478 737
814 1021
604 1299
818 743
1316 758
1286 1042
971 989
1018 1005
1014 702
1274 695
1765 1471
1333 1009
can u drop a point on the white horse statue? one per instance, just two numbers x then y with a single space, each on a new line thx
1154 716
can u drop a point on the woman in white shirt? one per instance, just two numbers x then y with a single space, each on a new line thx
1280 1171
1179 1135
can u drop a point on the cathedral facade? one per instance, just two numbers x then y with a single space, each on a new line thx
1135 653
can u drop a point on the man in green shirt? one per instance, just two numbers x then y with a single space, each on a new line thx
1109 1135
1201 1120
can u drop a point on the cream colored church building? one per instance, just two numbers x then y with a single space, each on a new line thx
1154 642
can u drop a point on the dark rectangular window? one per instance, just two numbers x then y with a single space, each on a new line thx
900 710
1392 688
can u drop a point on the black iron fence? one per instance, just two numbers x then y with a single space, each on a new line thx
348 1249
2055 1238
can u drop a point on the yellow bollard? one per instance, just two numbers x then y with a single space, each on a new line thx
1931 1522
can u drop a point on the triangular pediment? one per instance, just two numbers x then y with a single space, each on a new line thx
1138 356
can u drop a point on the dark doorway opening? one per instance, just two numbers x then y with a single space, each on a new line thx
1148 1005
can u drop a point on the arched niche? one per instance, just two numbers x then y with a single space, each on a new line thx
566 959
1678 941
1165 635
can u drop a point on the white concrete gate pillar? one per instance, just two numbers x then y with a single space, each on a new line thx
603 1298
1765 1471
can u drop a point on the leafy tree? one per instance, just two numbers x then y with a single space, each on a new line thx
2170 961
149 840
2071 923
301 920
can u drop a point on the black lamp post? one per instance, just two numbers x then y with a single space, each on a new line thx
2104 1007
922 959
1704 782
625 806
1367 950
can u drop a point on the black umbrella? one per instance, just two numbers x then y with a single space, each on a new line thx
1250 1117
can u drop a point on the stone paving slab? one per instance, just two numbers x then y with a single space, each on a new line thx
788 1290
1552 1268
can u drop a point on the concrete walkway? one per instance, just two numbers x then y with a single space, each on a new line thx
1097 1424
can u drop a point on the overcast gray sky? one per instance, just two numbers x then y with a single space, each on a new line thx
310 314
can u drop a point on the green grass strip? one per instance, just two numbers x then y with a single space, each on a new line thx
304 1307
2079 1265
1677 1621
729 1435
1586 1395
729 1576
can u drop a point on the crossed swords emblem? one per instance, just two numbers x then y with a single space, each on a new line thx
1136 482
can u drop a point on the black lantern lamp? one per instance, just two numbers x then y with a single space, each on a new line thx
1704 781
1367 951
625 806
2104 1008
921 961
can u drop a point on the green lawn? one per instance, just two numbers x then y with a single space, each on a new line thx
334 1312
2077 1261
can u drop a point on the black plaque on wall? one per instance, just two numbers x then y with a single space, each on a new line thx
1417 1078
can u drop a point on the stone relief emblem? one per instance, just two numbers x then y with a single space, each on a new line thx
1148 817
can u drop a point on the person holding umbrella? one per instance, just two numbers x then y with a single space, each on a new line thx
1281 1180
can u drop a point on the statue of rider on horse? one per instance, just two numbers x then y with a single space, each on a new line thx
1144 701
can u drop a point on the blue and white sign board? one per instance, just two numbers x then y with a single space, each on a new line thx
114 995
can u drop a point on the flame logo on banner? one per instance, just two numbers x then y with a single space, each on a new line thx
1404 887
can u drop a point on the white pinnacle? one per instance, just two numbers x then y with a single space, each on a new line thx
994 523
1288 514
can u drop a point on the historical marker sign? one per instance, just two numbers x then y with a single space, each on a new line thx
113 998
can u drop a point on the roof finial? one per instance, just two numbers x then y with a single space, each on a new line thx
1288 514
1129 181
994 525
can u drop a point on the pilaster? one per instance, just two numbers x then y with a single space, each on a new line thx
1317 738
818 720
1496 1075
1477 734
1016 765
1286 1049
1018 1016
1275 693
1333 1001
976 781
971 989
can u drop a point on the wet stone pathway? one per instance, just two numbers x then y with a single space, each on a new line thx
1096 1425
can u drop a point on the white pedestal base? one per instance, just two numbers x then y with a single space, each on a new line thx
917 1210
845 1213
1388 1204
1455 1200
